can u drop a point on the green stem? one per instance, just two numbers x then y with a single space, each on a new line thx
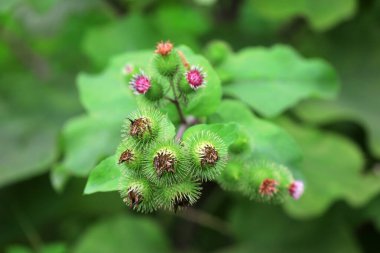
205 219
175 101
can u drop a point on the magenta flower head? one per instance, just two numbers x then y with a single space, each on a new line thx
195 77
296 189
140 83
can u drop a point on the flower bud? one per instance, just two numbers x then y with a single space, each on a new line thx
165 163
137 192
145 125
128 69
140 83
208 154
195 77
230 177
164 48
166 60
241 144
179 195
268 187
156 91
217 51
129 155
266 182
296 189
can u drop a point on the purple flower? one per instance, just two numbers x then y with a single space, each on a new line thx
296 189
140 83
195 77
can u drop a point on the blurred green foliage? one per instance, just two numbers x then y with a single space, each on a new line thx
58 59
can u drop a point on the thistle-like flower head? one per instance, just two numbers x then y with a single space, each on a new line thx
164 161
296 189
207 154
137 192
127 156
140 83
164 48
268 187
196 77
178 196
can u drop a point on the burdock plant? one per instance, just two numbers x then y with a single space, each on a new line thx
161 168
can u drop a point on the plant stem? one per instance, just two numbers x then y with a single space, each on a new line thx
177 104
182 128
204 219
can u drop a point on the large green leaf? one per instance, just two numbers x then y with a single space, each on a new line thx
273 80
332 169
359 100
228 132
256 226
104 177
322 14
172 21
122 233
49 248
29 125
267 140
108 100
133 32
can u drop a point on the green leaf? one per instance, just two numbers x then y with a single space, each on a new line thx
173 22
267 140
29 125
49 248
255 226
228 132
104 177
372 212
133 32
348 108
132 234
88 139
7 5
359 99
273 80
108 100
27 147
332 169
322 14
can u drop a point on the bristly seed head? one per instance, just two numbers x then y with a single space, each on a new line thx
164 48
209 155
139 126
140 83
127 156
296 189
181 201
164 161
268 187
134 196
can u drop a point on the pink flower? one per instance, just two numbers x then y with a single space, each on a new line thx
140 83
127 69
164 48
195 77
268 187
296 189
